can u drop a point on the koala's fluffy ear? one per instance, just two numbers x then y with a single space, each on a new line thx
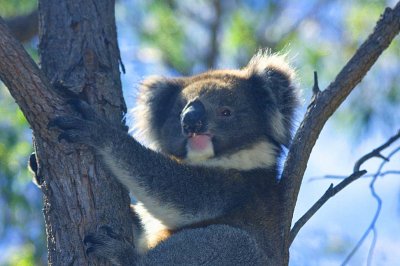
273 79
156 96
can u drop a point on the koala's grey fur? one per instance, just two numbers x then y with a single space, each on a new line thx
198 206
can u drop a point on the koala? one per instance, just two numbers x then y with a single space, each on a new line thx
207 178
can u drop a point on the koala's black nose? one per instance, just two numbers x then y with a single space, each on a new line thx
193 117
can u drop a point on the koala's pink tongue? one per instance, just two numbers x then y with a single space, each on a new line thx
199 142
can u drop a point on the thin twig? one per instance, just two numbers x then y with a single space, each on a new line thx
341 177
372 247
333 190
329 193
371 227
315 88
376 152
213 52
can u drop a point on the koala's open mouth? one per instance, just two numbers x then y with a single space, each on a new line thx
199 142
199 147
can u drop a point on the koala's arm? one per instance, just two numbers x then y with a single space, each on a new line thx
169 189
175 193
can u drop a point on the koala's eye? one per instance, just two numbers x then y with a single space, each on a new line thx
224 111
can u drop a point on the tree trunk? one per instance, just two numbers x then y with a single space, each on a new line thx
79 54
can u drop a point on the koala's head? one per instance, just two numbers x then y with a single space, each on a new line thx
230 118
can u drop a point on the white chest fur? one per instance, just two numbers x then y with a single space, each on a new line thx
259 155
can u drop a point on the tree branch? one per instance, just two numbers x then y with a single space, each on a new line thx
26 82
376 152
327 102
382 174
371 227
212 54
329 193
333 190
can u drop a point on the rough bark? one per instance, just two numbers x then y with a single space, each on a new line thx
79 54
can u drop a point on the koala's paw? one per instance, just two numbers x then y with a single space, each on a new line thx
84 109
86 129
106 244
74 130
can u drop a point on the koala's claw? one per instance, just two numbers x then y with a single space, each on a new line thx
109 231
63 136
53 123
74 130
93 242
89 250
83 108
103 233
65 122
106 243
75 102
88 239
